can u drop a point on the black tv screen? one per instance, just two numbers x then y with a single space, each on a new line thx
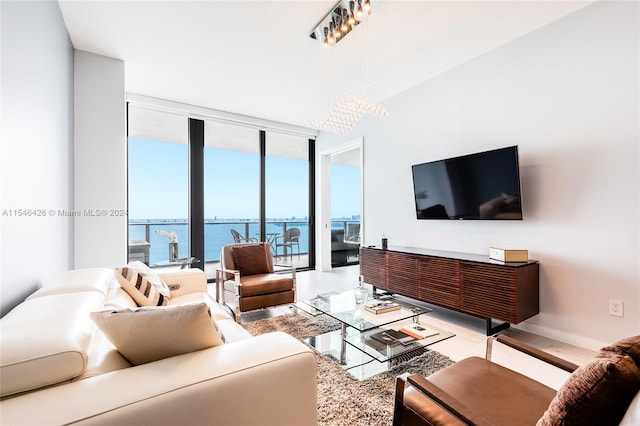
484 185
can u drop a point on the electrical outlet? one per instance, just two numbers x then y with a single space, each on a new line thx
616 308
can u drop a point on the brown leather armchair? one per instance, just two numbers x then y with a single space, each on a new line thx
246 279
476 391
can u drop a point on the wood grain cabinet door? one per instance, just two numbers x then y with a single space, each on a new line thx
502 293
373 267
439 281
402 274
489 291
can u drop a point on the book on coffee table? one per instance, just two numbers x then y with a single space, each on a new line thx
418 331
381 306
392 337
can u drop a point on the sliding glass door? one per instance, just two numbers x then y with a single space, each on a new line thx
158 161
287 197
231 186
345 208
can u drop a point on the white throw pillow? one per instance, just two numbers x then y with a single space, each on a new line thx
143 285
150 334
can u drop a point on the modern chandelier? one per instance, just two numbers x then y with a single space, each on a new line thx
353 99
343 17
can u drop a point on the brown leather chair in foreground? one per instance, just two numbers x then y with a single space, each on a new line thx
476 391
246 279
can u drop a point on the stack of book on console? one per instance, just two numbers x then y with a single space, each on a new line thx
381 306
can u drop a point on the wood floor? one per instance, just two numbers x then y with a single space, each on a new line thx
470 338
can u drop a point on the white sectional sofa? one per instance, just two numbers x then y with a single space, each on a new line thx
58 368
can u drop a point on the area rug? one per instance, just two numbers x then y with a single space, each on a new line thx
342 399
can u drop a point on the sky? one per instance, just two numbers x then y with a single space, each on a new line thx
158 184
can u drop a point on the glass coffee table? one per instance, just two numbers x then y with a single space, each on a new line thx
357 342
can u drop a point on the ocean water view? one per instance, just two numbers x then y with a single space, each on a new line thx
216 235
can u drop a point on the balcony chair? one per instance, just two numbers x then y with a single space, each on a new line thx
246 279
238 238
476 391
353 233
290 238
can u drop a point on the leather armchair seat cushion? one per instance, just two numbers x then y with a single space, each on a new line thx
254 285
497 392
45 340
273 299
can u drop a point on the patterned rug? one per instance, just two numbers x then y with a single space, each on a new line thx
342 399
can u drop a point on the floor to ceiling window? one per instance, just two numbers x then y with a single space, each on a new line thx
231 186
158 185
257 185
287 197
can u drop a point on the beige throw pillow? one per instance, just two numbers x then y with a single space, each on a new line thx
150 334
143 285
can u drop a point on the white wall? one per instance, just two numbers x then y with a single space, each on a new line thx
37 147
567 94
100 162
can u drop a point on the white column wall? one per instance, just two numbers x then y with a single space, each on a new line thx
100 161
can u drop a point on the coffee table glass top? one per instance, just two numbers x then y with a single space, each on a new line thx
343 307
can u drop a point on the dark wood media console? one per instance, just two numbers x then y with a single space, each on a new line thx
469 283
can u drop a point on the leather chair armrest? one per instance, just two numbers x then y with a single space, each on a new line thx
537 353
288 267
220 280
446 401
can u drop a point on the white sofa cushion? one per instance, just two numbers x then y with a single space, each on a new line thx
88 279
45 340
218 312
228 327
143 285
119 299
152 333
232 331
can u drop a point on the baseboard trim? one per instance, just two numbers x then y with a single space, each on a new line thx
572 339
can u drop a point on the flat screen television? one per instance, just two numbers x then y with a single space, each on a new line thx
480 186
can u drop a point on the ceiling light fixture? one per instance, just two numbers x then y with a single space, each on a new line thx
342 19
352 99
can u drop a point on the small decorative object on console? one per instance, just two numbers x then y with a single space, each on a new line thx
381 306
360 293
505 255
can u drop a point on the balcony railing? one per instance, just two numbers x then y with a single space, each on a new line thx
147 246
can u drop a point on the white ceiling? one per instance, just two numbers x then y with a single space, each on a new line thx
256 58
